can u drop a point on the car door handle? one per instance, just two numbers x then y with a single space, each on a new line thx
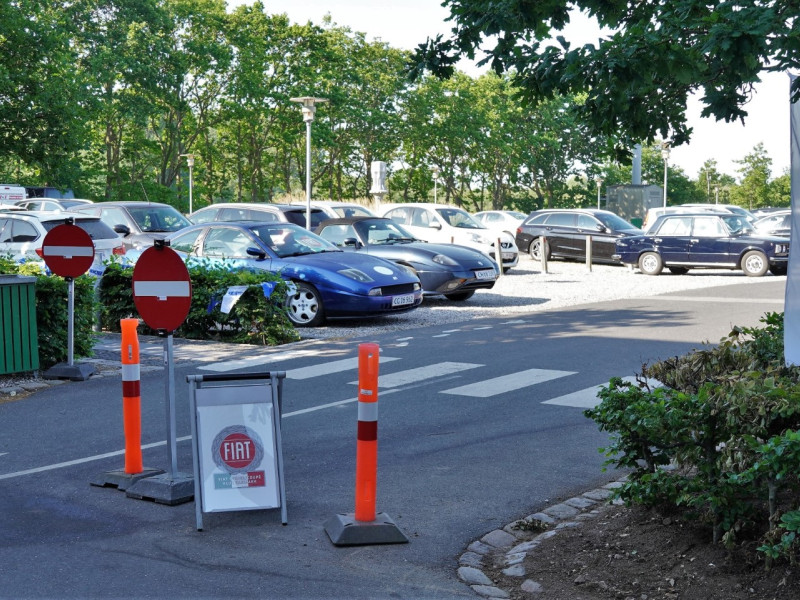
694 241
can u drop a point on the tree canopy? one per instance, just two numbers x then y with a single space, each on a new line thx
638 78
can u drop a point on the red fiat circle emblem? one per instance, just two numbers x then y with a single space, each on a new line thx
237 450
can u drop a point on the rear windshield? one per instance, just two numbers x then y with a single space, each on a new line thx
298 217
96 229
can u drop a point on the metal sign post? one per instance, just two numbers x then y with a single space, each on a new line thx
162 293
68 251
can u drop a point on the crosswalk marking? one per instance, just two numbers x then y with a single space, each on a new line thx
507 383
250 361
409 376
587 398
328 368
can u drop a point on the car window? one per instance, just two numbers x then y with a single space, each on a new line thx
235 213
458 218
298 217
226 242
352 211
587 222
561 219
708 227
186 241
537 219
97 230
337 234
112 216
205 216
157 218
676 226
17 231
421 218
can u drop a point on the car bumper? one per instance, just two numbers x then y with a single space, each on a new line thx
438 282
345 304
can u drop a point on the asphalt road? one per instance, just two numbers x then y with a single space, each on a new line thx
480 423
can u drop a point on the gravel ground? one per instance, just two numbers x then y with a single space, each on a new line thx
527 289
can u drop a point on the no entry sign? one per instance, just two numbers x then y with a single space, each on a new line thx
68 251
162 291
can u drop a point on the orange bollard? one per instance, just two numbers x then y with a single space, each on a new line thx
131 396
367 443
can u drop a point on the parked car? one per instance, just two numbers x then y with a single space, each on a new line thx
653 213
566 230
777 223
501 220
263 212
443 269
22 234
449 224
328 281
338 210
734 208
138 223
704 240
39 205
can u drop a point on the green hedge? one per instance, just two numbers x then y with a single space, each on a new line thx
719 442
255 319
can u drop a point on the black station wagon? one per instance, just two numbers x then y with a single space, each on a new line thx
681 242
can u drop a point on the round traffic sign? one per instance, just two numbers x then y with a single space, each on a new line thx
67 250
162 290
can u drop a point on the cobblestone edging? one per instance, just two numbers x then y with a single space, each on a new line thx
508 547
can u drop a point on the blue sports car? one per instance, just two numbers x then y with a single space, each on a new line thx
447 269
328 282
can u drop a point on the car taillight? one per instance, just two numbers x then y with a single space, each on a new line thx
119 250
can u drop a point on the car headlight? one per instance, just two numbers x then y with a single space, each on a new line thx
781 248
356 274
441 259
479 239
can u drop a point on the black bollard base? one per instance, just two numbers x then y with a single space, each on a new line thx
344 530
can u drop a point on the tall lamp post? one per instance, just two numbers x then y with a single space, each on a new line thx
599 184
435 184
665 156
190 163
309 108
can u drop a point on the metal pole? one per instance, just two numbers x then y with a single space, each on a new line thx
169 387
190 188
308 175
71 321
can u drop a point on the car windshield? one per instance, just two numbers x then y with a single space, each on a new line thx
456 217
380 231
291 240
614 222
96 229
158 218
737 223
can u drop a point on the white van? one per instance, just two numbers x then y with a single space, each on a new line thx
445 224
11 194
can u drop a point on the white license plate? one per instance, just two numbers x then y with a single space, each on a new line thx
403 300
507 255
485 274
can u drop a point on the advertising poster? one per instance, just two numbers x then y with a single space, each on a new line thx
236 441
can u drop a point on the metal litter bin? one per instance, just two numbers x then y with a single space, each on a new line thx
19 343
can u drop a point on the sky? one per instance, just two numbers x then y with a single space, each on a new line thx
406 23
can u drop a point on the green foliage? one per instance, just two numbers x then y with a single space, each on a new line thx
52 315
718 441
254 319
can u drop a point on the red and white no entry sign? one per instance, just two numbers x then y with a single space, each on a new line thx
67 250
162 290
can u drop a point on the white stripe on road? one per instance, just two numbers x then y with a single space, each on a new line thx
507 383
409 376
242 363
336 366
587 398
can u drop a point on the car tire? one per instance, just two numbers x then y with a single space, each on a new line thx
535 249
778 269
304 307
460 296
678 270
754 264
650 263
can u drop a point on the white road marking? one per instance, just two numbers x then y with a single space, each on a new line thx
587 398
336 366
506 383
409 376
230 365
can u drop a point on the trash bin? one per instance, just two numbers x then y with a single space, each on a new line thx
19 343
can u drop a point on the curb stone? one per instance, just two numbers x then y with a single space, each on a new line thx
508 547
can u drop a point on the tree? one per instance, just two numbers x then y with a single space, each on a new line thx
637 78
753 191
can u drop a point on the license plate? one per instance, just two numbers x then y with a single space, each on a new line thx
403 300
507 255
485 274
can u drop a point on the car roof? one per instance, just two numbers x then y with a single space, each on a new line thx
421 205
351 220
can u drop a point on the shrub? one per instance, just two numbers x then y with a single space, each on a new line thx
719 441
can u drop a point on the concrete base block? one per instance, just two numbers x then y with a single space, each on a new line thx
344 530
164 489
73 372
122 480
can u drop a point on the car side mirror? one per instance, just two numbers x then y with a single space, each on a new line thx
256 252
123 230
435 225
352 242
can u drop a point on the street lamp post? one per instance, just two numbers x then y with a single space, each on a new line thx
665 156
435 184
599 184
190 163
309 108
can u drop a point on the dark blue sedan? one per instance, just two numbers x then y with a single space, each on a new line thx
443 269
328 282
681 242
